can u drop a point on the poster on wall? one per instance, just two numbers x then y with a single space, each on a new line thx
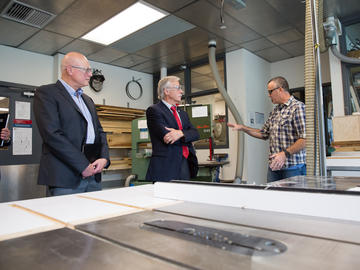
22 141
22 110
22 129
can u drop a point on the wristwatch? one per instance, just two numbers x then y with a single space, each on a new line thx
287 154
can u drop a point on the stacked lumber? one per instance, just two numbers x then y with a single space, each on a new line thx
120 164
118 113
115 126
119 140
116 122
346 146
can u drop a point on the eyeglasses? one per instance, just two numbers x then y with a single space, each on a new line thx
272 90
86 70
176 87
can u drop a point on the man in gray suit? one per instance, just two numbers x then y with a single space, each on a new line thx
74 150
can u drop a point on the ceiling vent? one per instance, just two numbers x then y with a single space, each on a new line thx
26 14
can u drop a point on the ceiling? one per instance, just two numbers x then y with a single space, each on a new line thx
271 29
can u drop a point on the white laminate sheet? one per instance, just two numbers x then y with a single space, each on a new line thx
73 209
327 205
138 196
16 222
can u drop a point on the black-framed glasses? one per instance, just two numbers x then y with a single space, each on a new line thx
272 90
86 70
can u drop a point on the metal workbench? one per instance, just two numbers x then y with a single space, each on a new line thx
162 226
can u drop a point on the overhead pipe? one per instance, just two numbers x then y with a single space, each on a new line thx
230 104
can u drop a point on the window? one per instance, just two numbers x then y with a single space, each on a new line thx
350 46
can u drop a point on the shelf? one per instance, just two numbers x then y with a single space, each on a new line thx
117 168
116 122
120 147
120 164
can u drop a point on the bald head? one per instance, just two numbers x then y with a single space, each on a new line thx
75 70
73 59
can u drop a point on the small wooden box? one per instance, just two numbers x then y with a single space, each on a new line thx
346 128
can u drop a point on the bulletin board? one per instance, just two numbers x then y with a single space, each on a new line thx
26 142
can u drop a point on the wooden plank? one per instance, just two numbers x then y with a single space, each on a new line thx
117 108
119 167
347 148
123 139
117 130
119 113
349 157
115 123
107 113
121 159
346 143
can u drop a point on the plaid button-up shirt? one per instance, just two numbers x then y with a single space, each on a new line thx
285 125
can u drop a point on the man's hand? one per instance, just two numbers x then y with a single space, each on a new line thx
278 161
236 126
173 135
5 134
99 165
89 171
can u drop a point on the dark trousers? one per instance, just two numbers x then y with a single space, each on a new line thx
86 185
185 171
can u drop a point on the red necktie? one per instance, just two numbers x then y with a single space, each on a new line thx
185 149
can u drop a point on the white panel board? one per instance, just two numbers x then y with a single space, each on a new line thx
303 203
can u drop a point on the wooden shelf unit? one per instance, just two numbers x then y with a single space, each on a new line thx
116 122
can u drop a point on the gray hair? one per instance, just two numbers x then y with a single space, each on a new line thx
165 82
280 82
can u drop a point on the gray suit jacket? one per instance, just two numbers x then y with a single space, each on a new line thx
63 130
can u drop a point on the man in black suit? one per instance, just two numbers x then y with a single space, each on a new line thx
172 134
74 150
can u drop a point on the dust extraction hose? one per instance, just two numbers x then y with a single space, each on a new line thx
234 111
343 58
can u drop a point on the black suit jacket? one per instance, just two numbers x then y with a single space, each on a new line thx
63 129
165 163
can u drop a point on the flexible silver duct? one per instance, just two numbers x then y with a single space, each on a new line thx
332 28
343 58
230 104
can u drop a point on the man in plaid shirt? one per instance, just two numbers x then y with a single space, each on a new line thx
285 129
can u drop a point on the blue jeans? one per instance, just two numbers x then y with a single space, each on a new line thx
299 169
86 185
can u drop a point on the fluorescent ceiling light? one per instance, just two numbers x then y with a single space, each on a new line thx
4 110
126 22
